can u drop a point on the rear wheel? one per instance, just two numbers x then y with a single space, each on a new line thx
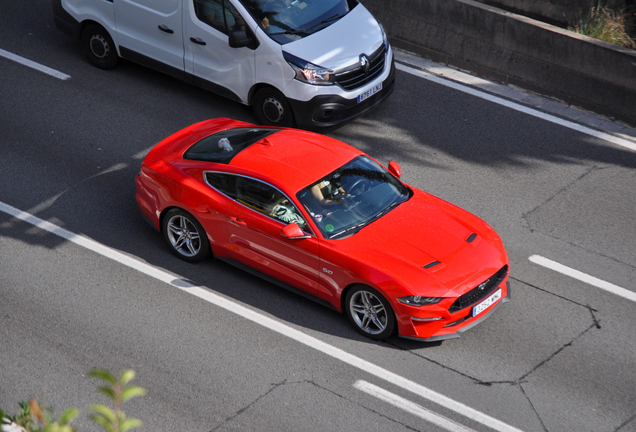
369 312
272 108
185 236
99 46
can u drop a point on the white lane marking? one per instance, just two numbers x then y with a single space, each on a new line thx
258 318
411 407
584 277
34 65
518 107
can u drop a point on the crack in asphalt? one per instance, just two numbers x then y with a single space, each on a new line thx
523 379
523 391
362 406
525 217
629 420
248 406
285 382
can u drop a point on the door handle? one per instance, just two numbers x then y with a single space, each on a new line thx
238 221
165 28
198 41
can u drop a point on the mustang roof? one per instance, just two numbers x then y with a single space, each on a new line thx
295 158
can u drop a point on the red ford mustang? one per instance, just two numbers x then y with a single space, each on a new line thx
325 219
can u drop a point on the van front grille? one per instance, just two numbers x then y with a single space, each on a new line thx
351 79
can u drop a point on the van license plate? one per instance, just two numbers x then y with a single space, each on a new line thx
367 94
487 303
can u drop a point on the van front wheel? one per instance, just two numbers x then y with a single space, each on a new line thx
272 108
99 46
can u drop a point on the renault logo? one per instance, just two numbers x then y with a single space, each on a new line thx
364 63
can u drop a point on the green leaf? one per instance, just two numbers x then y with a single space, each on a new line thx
103 422
105 412
131 392
104 375
69 415
108 391
126 376
129 424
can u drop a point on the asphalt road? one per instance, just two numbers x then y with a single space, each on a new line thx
241 354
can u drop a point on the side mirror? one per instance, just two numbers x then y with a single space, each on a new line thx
293 231
240 39
394 169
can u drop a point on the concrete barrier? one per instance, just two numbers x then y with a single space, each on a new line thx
513 49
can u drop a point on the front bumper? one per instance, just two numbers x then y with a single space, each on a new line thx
435 331
328 111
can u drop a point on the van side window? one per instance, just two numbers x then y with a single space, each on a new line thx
219 14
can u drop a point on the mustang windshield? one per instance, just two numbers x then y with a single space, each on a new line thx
289 20
352 197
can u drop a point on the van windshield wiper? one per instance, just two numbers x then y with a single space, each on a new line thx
332 18
292 31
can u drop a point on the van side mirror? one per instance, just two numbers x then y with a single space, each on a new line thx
394 169
240 39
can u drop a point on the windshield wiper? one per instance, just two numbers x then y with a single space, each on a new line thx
293 31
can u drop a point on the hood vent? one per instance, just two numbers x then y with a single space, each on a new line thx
471 237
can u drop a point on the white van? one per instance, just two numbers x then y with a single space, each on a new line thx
310 63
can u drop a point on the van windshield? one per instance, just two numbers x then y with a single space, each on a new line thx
289 20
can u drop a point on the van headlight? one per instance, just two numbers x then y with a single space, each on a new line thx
385 38
309 72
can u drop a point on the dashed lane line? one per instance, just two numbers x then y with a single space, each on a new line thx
33 65
583 277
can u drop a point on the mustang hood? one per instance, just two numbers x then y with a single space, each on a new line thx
447 245
325 48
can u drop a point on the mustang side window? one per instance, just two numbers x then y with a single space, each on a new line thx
268 200
219 14
224 183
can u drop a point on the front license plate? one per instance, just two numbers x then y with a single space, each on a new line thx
487 303
367 94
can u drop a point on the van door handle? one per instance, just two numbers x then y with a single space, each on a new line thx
238 221
198 41
165 28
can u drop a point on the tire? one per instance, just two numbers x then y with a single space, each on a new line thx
369 312
271 108
185 236
99 47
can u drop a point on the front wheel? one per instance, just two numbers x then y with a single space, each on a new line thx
185 236
99 46
272 108
369 312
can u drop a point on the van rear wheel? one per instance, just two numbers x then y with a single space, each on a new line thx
272 108
99 46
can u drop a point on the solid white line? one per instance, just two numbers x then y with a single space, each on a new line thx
518 107
34 65
411 407
277 326
599 283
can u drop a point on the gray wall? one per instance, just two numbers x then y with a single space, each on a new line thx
561 12
515 50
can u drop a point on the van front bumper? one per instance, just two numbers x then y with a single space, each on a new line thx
326 111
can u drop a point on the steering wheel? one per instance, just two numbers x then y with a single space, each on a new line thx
360 186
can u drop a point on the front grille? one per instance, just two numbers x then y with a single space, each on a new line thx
480 292
355 77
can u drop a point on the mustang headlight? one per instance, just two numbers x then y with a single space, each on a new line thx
309 72
419 300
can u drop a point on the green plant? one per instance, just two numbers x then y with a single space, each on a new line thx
118 392
606 25
34 418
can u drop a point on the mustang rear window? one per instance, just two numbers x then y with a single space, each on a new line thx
222 146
